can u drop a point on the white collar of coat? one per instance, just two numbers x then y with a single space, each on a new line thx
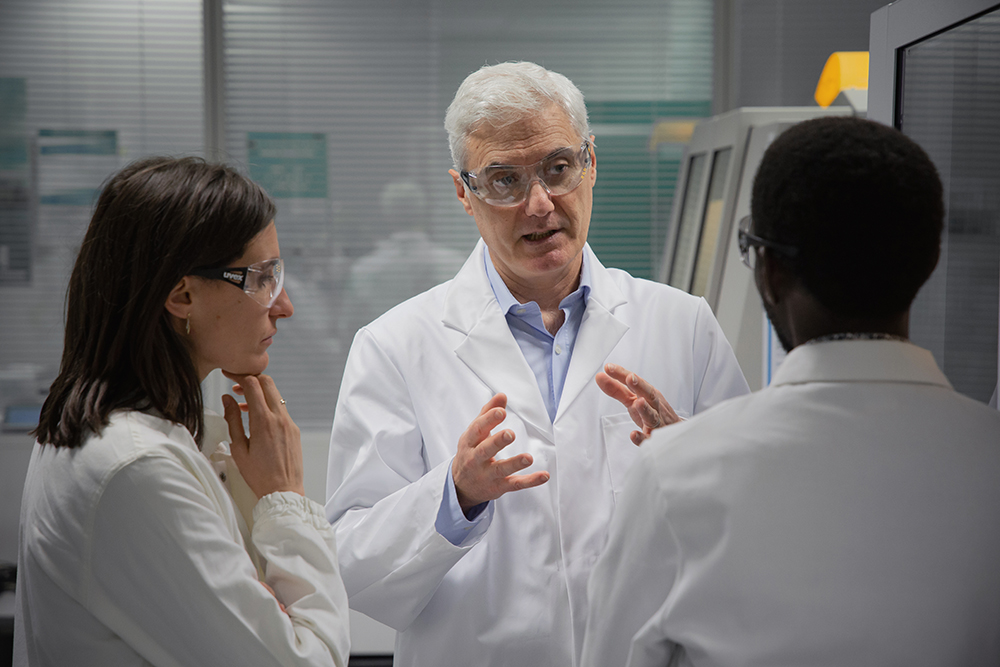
215 439
472 286
860 361
152 420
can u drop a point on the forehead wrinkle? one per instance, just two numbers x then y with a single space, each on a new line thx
547 157
521 142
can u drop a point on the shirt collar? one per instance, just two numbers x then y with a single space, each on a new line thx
507 300
859 361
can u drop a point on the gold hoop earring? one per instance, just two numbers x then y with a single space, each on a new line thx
187 326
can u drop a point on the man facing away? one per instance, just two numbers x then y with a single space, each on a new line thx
475 544
848 513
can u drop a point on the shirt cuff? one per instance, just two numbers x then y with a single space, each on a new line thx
289 503
451 521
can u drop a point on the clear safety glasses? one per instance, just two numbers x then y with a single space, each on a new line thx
747 240
508 185
262 281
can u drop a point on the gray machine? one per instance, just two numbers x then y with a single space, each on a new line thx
701 254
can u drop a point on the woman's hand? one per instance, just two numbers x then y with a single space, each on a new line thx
270 460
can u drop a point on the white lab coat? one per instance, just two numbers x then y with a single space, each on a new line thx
514 592
845 515
132 553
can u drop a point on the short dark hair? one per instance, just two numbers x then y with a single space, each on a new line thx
862 203
155 221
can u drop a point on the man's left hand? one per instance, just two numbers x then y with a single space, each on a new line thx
645 404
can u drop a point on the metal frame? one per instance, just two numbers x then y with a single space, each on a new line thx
214 93
725 45
215 82
902 24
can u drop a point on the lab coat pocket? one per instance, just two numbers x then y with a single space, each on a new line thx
621 452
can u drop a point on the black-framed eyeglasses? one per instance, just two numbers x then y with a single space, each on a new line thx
507 185
747 240
262 281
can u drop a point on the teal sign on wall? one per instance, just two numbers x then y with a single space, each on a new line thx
289 164
13 136
77 142
15 185
72 164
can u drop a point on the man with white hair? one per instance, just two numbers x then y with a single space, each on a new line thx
447 531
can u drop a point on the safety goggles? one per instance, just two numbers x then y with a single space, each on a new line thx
746 240
262 281
508 185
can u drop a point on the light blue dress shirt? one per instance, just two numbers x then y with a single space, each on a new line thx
547 355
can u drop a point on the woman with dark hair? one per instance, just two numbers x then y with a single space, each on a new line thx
132 549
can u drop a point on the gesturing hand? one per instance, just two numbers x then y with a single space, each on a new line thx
270 459
647 407
478 476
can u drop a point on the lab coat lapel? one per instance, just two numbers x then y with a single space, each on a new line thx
489 349
599 333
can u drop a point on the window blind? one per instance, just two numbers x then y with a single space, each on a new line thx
85 87
339 107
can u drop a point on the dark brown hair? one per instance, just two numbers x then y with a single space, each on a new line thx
155 221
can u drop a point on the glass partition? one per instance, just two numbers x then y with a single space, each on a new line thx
711 221
689 224
949 103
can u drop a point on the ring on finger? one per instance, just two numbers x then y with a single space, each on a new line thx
282 401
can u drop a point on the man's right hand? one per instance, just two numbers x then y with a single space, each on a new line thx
646 405
479 477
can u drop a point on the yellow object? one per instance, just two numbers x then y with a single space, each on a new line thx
844 70
671 132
